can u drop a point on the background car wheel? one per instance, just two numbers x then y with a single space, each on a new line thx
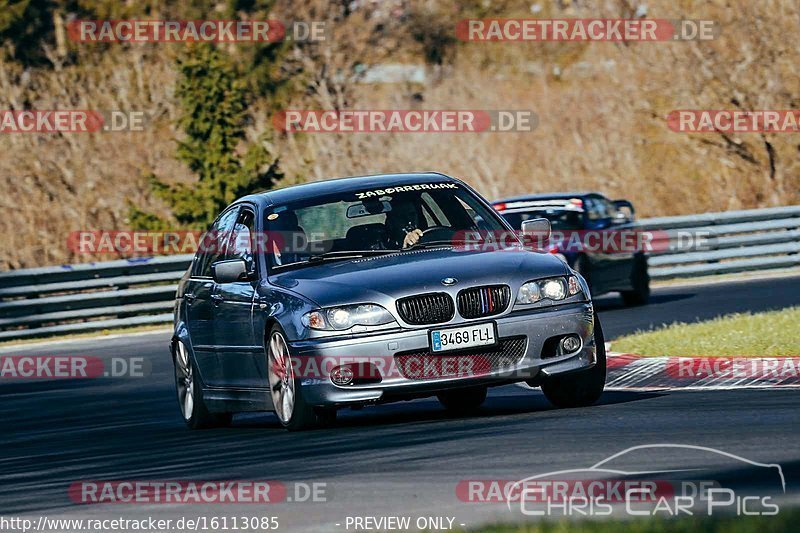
287 394
190 394
580 389
640 281
462 400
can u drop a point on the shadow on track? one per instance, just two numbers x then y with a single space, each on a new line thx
429 410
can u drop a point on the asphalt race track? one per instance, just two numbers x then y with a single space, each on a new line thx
402 458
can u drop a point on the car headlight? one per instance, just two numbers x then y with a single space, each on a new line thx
347 316
548 289
529 293
553 289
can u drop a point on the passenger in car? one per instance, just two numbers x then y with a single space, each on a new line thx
287 238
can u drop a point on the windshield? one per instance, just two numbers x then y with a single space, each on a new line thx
357 223
560 219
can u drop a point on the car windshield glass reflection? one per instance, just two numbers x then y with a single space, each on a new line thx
347 225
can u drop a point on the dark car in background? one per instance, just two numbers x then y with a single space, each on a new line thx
585 221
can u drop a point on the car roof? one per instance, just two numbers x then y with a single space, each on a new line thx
349 184
548 196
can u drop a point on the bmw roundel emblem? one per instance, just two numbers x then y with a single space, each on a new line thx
449 281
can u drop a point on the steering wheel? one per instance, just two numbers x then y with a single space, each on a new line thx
437 233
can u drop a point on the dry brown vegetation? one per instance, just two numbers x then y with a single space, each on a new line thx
601 108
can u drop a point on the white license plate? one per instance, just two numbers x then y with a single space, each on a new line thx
443 340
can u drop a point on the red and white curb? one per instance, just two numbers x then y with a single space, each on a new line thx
635 372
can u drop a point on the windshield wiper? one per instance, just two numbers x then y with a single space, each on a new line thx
345 254
342 255
429 244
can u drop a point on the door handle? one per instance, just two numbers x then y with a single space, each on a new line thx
217 298
189 297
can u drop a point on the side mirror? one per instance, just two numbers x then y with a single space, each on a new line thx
230 271
624 208
539 228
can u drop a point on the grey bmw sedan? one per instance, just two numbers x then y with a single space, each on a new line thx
366 290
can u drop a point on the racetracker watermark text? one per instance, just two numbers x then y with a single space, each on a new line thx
405 121
733 367
70 121
170 492
734 121
173 31
591 29
71 367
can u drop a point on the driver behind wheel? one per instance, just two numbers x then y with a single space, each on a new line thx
402 224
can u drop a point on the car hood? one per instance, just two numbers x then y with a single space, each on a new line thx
385 278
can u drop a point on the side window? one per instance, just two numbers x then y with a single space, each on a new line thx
595 209
240 246
476 219
610 208
213 243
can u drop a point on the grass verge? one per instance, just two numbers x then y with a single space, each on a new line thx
767 334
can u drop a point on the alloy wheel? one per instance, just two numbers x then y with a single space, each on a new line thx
184 380
281 377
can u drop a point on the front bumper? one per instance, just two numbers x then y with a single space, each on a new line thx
536 326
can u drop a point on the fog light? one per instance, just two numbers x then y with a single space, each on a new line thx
570 344
342 375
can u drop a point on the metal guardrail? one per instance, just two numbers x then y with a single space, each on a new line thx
38 302
89 297
725 243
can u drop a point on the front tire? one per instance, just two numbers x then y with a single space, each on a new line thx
640 282
286 391
190 394
463 401
584 388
